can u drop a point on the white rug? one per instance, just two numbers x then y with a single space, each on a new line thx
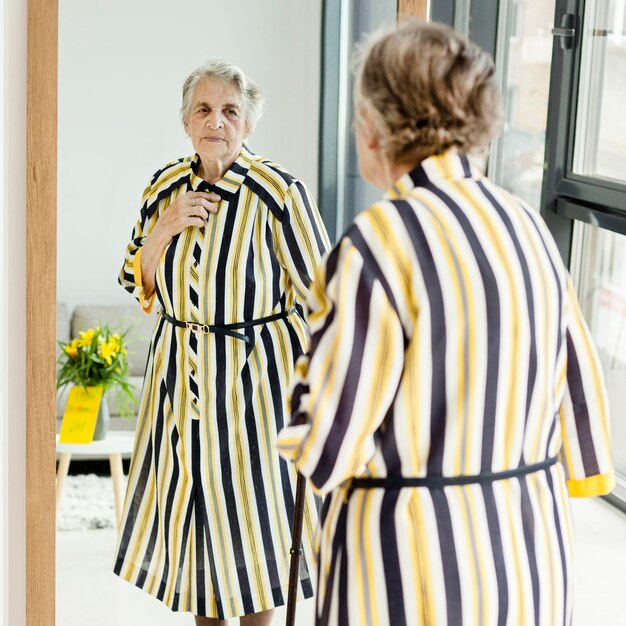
87 503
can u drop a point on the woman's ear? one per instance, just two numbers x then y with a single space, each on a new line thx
371 138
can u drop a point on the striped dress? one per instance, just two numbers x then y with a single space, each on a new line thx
208 510
446 340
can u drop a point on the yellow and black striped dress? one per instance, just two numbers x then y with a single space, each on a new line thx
446 341
207 515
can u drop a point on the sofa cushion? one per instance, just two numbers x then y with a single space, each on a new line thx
120 318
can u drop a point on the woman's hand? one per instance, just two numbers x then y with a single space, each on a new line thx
189 209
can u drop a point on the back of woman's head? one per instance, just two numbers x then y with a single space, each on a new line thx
427 89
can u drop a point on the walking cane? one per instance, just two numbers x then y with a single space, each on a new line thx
296 550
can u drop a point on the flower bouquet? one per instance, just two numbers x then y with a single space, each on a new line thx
97 358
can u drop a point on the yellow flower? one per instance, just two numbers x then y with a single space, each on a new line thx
118 343
72 348
108 350
86 337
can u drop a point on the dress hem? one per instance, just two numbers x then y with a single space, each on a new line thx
187 599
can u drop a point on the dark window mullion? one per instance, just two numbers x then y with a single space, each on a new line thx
609 193
596 215
559 140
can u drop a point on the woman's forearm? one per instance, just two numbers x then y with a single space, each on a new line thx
151 252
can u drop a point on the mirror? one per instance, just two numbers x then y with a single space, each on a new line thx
121 69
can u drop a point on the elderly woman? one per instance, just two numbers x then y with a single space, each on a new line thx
451 396
227 243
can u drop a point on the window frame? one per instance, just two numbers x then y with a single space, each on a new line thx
570 199
567 196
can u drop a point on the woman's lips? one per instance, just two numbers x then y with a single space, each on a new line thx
215 139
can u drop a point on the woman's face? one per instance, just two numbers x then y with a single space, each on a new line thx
216 123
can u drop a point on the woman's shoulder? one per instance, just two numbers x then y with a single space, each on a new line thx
375 216
371 228
275 185
271 175
380 232
170 174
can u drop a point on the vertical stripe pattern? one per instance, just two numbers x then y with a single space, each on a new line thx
446 340
206 525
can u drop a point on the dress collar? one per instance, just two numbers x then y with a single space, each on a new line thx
450 165
229 184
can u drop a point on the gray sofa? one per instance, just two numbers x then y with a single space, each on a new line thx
119 318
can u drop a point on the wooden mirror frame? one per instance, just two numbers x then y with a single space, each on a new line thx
41 221
41 202
418 8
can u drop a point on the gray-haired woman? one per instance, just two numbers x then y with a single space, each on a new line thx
227 243
452 396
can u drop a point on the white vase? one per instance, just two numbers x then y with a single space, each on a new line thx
102 423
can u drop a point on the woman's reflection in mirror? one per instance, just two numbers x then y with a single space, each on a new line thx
226 242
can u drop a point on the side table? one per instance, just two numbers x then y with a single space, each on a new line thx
115 444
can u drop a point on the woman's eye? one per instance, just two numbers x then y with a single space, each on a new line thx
232 112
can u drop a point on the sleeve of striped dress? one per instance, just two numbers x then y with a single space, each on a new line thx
301 239
130 275
584 411
346 384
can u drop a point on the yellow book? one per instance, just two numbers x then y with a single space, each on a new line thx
81 414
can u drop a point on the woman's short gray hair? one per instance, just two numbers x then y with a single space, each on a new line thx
251 95
428 89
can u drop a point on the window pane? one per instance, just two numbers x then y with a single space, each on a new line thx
600 145
525 54
602 293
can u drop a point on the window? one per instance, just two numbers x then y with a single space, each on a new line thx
586 158
584 195
523 57
599 270
600 139
563 149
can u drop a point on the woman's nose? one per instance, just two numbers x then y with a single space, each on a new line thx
215 121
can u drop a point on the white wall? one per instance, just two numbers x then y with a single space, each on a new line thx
13 314
3 338
121 68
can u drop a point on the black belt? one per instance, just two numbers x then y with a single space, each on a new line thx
397 482
228 329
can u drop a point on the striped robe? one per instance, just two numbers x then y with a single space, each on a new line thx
208 510
446 340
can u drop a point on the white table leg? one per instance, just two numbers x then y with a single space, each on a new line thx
117 473
62 469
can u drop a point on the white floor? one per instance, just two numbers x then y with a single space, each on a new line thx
88 593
